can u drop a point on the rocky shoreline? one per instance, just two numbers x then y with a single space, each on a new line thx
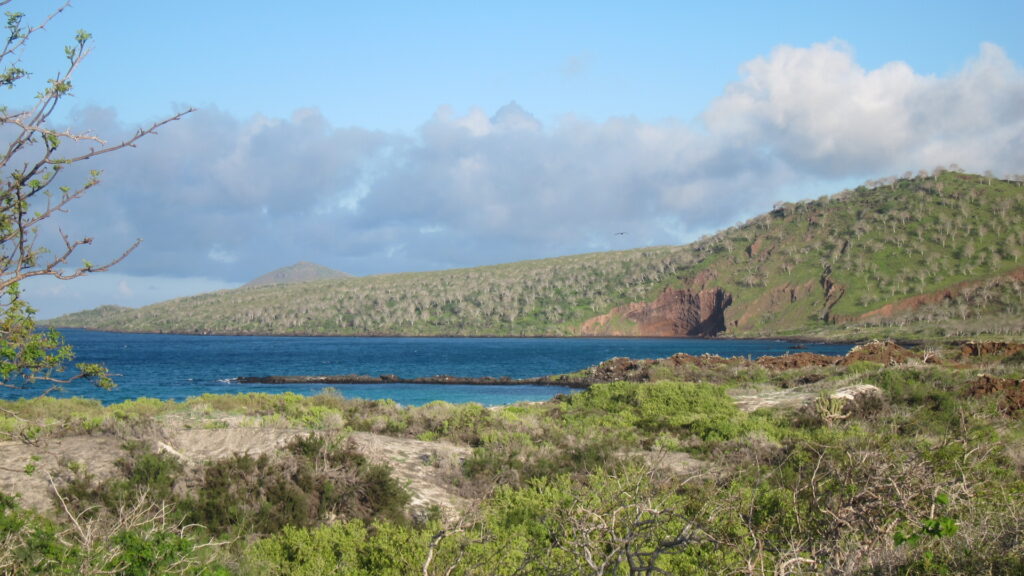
640 370
342 379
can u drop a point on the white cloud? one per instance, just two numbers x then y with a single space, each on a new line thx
817 110
473 189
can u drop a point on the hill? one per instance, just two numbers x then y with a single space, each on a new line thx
96 316
921 256
300 272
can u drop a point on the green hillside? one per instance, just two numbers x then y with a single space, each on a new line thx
926 255
920 256
535 297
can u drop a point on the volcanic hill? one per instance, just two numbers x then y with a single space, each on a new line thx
928 256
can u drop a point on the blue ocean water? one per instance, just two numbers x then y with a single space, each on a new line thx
179 366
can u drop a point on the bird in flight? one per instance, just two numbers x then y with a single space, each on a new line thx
620 233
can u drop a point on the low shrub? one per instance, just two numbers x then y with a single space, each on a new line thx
317 478
455 422
143 471
349 548
703 410
136 540
932 393
141 408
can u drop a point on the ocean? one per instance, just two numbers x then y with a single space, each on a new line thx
167 366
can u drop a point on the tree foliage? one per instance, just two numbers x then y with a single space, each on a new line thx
35 156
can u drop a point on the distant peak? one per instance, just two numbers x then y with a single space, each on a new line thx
298 272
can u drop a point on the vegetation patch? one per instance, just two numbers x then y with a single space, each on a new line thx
923 475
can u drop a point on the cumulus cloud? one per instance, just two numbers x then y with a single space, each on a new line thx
818 111
226 198
219 197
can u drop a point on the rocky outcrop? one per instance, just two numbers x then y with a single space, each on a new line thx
833 293
797 361
773 300
760 250
791 298
342 379
676 312
991 348
617 369
1009 390
884 352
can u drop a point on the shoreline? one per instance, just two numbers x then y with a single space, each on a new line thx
794 339
440 379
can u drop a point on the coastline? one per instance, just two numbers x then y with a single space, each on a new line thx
780 338
440 379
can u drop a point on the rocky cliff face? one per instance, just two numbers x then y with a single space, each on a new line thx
770 300
676 312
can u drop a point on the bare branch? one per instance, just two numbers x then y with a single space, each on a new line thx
31 165
129 142
15 44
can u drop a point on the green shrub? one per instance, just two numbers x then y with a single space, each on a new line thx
35 418
141 408
142 472
345 548
932 393
703 410
229 495
618 517
124 544
317 478
30 542
9 426
307 552
143 551
456 422
154 472
499 454
64 409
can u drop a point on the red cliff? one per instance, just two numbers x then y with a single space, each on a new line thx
676 312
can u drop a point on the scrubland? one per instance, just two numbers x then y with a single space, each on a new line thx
886 462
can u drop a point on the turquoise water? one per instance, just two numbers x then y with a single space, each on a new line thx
176 366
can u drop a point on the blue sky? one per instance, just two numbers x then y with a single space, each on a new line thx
400 136
389 65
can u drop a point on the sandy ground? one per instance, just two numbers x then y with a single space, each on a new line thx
423 467
17 460
426 469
